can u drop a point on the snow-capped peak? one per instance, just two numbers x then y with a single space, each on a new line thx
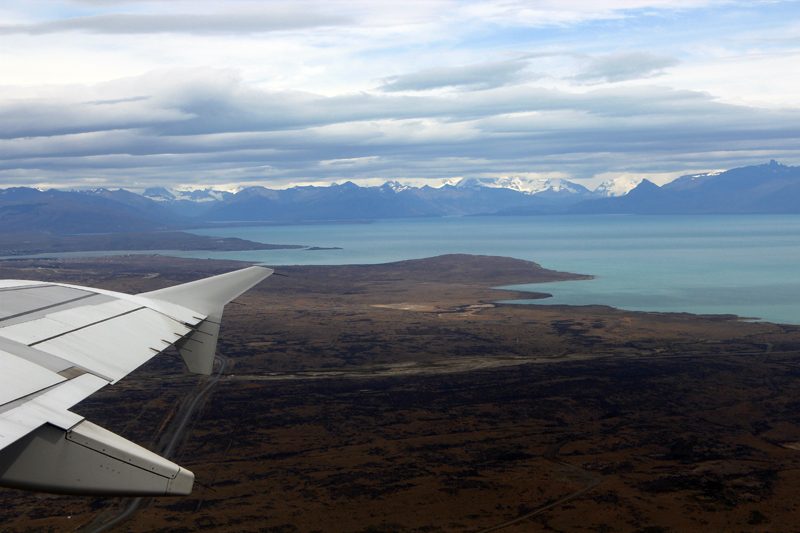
691 181
396 186
616 187
159 194
492 183
556 185
523 185
162 194
716 172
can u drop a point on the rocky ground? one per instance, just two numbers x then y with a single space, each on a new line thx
401 398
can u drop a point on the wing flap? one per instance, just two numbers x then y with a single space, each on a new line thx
61 322
37 357
114 348
51 406
90 314
36 378
35 330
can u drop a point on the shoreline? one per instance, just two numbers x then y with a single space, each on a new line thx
510 284
517 296
36 245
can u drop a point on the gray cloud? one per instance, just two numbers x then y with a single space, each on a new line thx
117 100
205 126
192 104
480 76
622 66
223 23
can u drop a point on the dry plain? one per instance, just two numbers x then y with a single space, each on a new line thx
402 398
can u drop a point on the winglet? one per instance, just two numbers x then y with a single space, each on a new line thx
207 297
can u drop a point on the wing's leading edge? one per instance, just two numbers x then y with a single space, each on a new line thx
61 343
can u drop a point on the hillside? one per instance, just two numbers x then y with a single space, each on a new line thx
70 212
771 188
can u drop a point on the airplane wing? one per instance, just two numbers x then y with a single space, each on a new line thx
61 343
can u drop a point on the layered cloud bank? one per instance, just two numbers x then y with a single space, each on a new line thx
178 93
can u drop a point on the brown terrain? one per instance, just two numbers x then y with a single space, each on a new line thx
400 398
22 244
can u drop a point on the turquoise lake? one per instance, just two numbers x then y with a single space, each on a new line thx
745 265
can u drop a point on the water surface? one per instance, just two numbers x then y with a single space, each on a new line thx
744 265
739 264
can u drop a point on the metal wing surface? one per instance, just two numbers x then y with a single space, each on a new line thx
61 343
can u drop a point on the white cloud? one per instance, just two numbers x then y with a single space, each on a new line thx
280 19
182 121
122 92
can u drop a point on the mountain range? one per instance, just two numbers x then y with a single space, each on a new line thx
348 201
191 203
771 188
24 209
768 188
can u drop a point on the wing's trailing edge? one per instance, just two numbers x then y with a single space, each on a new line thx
61 343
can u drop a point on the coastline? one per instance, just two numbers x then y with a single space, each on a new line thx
28 244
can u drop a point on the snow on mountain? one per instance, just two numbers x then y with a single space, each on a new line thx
616 187
691 181
395 186
162 194
526 186
555 185
489 183
187 202
159 194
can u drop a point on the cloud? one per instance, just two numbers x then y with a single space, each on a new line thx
544 13
480 76
623 66
203 125
278 19
125 92
117 101
193 102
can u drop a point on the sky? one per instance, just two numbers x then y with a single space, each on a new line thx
196 94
